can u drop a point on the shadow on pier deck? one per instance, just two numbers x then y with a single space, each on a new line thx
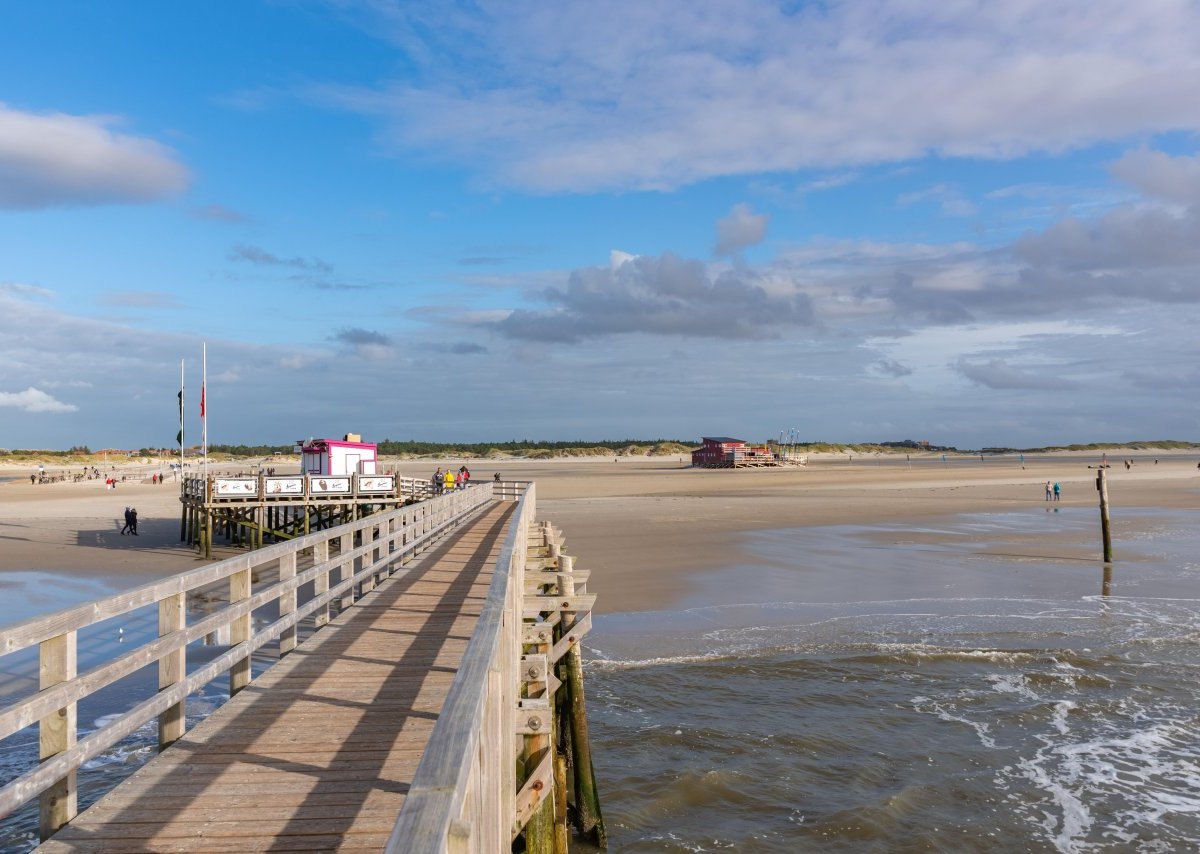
317 753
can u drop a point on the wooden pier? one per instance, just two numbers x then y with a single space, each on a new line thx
429 695
254 510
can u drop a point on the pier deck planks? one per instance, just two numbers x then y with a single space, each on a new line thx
318 752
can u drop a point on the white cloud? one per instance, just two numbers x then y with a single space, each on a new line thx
951 201
741 229
49 159
589 96
999 374
22 290
34 400
1175 179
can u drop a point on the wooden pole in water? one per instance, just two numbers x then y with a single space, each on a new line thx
1105 531
587 803
539 832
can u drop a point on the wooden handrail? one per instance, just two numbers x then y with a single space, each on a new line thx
382 550
462 798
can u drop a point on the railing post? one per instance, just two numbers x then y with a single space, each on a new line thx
345 570
368 559
239 630
321 583
57 731
287 602
172 668
393 547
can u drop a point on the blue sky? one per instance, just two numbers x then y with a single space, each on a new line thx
974 223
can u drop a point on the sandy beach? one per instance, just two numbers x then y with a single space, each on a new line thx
849 656
648 528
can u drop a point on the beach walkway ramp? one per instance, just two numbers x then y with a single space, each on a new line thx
411 708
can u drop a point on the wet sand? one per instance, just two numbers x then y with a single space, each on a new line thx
649 529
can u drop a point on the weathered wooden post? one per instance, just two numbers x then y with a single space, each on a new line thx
206 533
1105 532
345 570
539 749
587 802
321 583
57 731
287 603
172 668
239 630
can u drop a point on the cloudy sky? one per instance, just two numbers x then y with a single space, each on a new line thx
971 222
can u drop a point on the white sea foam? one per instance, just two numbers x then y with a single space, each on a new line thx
927 705
1140 770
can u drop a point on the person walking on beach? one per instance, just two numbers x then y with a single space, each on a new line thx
133 520
1057 491
128 521
1049 492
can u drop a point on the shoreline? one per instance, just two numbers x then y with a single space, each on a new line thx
648 528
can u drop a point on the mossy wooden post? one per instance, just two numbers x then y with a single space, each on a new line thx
562 729
1105 532
587 802
57 732
539 832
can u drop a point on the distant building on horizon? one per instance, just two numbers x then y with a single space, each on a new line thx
915 444
721 452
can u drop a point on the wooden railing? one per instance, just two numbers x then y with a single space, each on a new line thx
463 795
504 711
346 562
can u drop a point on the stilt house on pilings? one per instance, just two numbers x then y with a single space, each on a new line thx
338 483
722 452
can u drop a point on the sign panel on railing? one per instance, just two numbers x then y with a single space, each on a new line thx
285 486
229 487
329 485
376 483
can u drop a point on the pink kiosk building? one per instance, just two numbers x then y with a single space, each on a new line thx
333 457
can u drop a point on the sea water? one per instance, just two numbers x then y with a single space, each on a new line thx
29 594
963 686
889 688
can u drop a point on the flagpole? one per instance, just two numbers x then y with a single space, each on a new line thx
181 425
204 405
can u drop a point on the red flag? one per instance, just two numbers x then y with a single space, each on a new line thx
201 401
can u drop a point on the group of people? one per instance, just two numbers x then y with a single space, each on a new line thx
1053 493
130 521
449 480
